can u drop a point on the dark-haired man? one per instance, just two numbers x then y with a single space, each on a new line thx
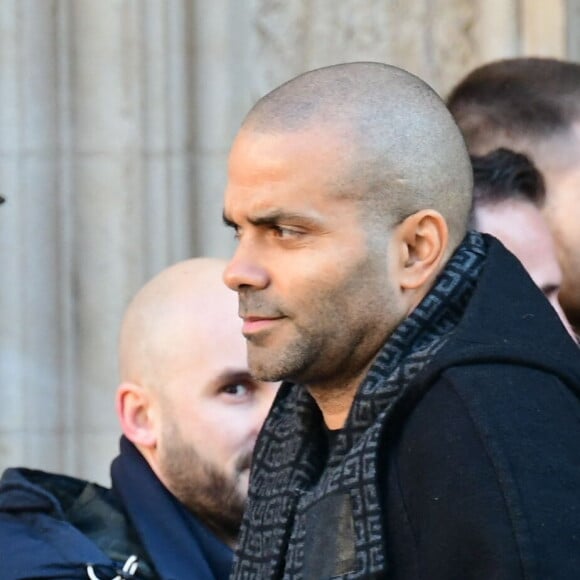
532 105
508 197
429 426
190 414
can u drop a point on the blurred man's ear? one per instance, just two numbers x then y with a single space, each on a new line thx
422 242
136 414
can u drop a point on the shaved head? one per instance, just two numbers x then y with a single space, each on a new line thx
402 150
173 312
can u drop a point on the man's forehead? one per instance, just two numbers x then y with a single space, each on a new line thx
298 200
280 177
324 139
573 145
557 152
265 213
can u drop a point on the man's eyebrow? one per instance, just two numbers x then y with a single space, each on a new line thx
233 375
273 216
276 216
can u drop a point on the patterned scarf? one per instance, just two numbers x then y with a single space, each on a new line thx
314 512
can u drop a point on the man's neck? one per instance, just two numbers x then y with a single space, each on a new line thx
336 395
335 402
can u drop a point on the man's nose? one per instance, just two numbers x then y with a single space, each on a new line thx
243 271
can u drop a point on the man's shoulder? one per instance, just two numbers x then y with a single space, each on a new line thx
509 319
54 526
516 393
23 489
493 447
36 538
513 422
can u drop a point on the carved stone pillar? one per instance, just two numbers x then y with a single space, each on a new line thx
35 296
96 166
543 30
573 30
214 108
434 39
131 167
496 30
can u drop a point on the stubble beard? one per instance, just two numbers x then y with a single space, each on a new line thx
324 355
203 488
292 362
268 362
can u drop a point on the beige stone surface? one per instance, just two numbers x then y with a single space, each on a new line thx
116 118
544 27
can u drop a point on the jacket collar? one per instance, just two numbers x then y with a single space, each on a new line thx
178 544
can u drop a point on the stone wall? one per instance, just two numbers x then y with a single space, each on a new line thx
115 122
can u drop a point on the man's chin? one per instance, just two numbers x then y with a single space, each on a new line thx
260 363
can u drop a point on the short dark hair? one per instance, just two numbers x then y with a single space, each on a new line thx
505 102
503 175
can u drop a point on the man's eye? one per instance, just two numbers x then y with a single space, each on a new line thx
285 233
237 390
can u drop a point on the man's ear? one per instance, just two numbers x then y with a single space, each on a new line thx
137 415
423 239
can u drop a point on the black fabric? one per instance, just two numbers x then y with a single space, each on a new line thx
334 514
484 452
477 459
498 495
101 518
54 526
36 540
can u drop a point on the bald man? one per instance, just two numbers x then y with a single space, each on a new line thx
428 426
190 414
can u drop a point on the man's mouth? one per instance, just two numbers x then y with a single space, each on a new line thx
255 324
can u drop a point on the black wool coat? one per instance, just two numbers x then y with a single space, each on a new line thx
482 466
478 467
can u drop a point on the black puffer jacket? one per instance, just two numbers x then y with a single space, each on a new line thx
61 528
55 526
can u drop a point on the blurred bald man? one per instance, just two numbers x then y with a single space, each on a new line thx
508 197
532 106
190 414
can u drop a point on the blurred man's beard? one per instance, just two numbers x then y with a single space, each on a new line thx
205 489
